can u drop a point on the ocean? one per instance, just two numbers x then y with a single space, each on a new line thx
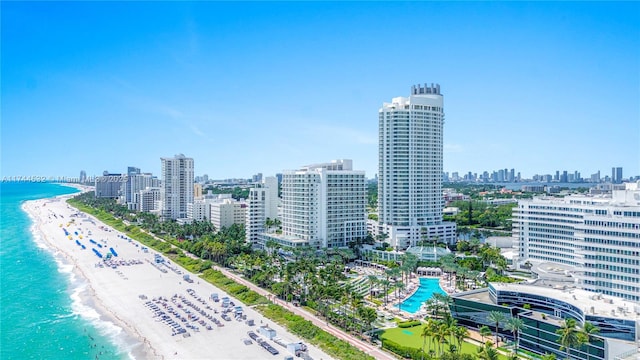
43 314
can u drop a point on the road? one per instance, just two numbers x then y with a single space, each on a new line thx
362 345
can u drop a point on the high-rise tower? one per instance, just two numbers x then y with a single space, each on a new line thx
410 199
177 186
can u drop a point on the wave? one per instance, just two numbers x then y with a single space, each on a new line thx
81 299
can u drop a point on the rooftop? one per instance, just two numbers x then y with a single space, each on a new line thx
589 302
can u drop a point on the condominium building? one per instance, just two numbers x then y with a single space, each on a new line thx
136 182
127 194
262 204
150 199
410 199
177 186
109 185
226 212
199 210
597 235
323 205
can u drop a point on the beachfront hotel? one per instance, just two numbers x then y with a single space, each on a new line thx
177 186
595 237
323 206
262 204
618 320
410 200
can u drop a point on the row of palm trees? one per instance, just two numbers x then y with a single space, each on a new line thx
445 334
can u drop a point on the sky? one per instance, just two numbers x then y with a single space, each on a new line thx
255 87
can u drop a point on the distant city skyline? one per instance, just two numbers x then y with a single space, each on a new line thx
538 87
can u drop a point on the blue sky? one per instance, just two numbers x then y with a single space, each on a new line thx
261 87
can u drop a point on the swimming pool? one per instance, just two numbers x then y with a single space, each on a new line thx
428 286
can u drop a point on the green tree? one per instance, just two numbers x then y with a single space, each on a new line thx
515 325
570 336
487 352
485 331
589 330
425 333
496 317
460 333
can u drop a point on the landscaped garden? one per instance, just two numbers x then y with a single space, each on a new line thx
412 339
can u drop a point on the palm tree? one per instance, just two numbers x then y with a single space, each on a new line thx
487 352
496 317
588 330
368 316
442 301
548 357
431 329
440 336
399 288
515 325
460 333
484 332
372 281
570 336
426 332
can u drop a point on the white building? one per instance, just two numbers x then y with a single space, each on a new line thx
199 210
135 183
262 204
150 199
410 199
599 236
323 205
177 186
227 212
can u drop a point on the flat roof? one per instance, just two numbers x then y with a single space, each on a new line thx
603 305
481 295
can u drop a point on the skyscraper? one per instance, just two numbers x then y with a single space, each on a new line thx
410 199
616 175
177 186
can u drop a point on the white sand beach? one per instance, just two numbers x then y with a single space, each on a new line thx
133 291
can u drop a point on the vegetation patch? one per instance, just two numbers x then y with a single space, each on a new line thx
408 324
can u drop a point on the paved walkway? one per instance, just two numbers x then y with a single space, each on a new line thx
362 345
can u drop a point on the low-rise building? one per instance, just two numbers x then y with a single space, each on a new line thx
543 311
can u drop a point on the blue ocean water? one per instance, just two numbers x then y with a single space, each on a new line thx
428 286
41 314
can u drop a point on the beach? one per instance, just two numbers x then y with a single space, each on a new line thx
166 316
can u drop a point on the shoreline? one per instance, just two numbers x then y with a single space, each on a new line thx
87 296
116 294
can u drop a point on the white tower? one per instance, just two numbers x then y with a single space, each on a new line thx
177 186
410 200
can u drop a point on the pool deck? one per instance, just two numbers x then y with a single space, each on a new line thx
415 280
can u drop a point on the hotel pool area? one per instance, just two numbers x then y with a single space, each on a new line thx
428 286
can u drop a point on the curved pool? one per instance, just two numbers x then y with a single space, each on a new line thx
428 286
